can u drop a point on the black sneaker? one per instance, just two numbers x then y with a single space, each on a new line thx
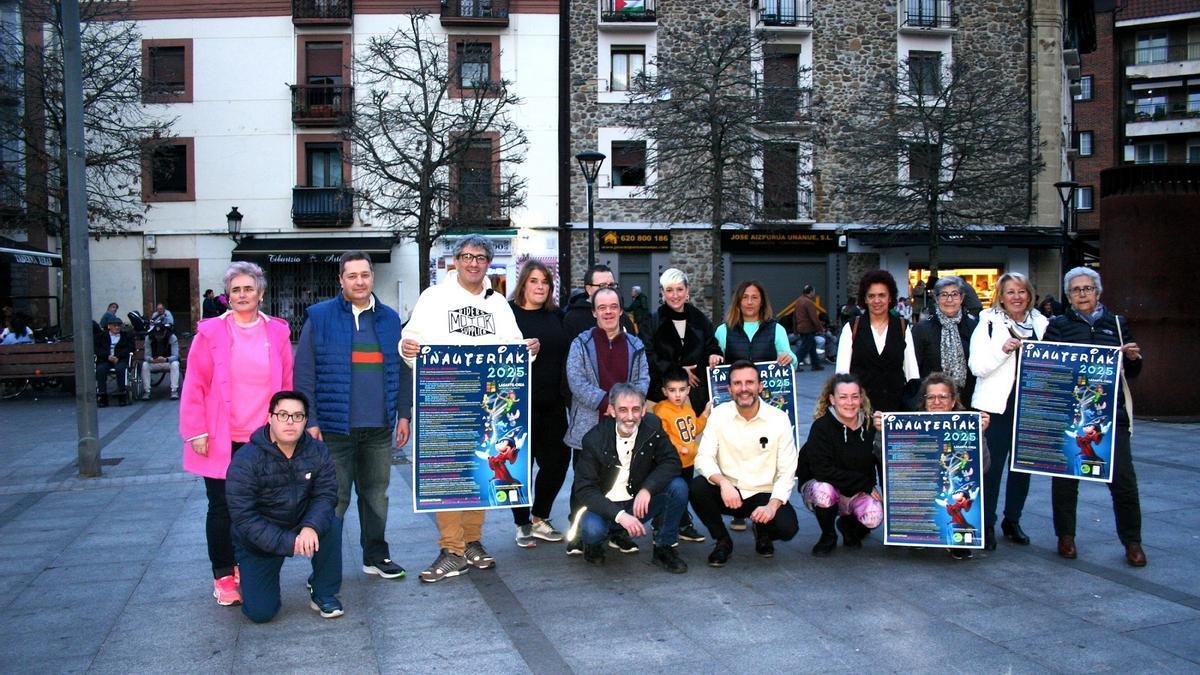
737 524
574 546
762 542
594 554
668 559
690 533
478 556
621 541
961 553
328 608
851 534
825 545
720 553
384 568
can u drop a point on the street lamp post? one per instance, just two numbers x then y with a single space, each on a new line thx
233 220
1066 194
589 164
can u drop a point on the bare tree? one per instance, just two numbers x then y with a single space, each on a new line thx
433 137
703 108
119 129
939 147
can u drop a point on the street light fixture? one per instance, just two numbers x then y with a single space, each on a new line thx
1066 194
589 164
233 220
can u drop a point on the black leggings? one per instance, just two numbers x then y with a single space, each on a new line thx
553 457
218 526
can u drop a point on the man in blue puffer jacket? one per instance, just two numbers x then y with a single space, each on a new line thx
348 365
282 490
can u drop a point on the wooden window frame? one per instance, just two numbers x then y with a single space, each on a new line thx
302 142
453 89
148 193
186 95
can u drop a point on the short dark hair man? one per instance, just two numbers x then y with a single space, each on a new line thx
281 488
746 467
806 320
348 365
212 306
627 473
578 317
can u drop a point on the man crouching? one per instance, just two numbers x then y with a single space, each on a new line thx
627 473
282 491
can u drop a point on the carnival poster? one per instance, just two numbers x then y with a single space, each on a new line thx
471 427
779 389
1066 410
932 475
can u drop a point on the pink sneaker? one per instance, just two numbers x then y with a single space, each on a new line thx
225 590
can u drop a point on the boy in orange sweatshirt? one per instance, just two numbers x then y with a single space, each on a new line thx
683 427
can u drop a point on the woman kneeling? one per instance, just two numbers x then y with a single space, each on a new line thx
837 467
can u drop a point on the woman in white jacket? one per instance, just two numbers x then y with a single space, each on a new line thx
993 360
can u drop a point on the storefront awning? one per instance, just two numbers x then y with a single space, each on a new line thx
21 253
1022 238
312 249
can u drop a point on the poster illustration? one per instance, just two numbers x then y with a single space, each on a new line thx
471 427
1066 409
932 479
779 389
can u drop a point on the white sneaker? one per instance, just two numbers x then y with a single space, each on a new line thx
544 530
525 537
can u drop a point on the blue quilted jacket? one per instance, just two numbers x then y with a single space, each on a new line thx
323 363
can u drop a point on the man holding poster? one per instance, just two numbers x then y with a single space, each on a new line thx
462 310
1089 322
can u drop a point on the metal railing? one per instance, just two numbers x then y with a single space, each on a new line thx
928 14
323 104
786 13
1163 179
323 205
479 208
1142 56
628 11
323 10
1154 112
490 10
783 103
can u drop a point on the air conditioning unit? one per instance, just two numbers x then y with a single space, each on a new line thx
1073 73
1071 57
1076 88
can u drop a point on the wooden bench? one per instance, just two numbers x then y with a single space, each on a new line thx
36 361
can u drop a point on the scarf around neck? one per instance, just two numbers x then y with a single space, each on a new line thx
954 361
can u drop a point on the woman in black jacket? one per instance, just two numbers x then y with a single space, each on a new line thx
532 303
684 338
1089 322
878 348
838 468
946 351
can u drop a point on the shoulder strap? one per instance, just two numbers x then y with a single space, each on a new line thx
1125 383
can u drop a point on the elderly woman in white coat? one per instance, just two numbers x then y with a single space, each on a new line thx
1010 320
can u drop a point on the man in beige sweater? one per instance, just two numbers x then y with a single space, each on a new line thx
746 467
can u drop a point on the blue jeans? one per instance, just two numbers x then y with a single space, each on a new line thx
364 462
260 574
670 503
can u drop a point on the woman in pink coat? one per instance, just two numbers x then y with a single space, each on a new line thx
242 356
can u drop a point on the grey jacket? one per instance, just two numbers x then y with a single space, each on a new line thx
583 377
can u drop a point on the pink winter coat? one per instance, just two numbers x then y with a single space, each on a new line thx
205 400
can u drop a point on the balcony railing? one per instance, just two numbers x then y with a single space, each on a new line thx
1154 112
801 209
928 14
628 11
786 13
1145 56
322 206
327 12
479 210
474 12
783 103
10 81
321 105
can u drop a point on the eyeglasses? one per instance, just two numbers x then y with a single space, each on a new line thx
608 285
949 295
937 397
1082 290
289 417
470 257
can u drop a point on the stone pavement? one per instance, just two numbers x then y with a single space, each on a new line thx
111 575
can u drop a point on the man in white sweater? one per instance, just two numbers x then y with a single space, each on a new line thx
462 310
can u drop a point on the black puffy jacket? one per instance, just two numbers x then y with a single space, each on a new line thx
667 349
272 497
1071 327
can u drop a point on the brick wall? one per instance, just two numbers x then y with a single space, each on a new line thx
1099 116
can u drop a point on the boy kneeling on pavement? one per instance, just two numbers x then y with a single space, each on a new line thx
282 491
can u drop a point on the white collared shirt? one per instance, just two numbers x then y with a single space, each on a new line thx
733 446
619 492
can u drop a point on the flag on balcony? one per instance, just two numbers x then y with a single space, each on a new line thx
631 6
